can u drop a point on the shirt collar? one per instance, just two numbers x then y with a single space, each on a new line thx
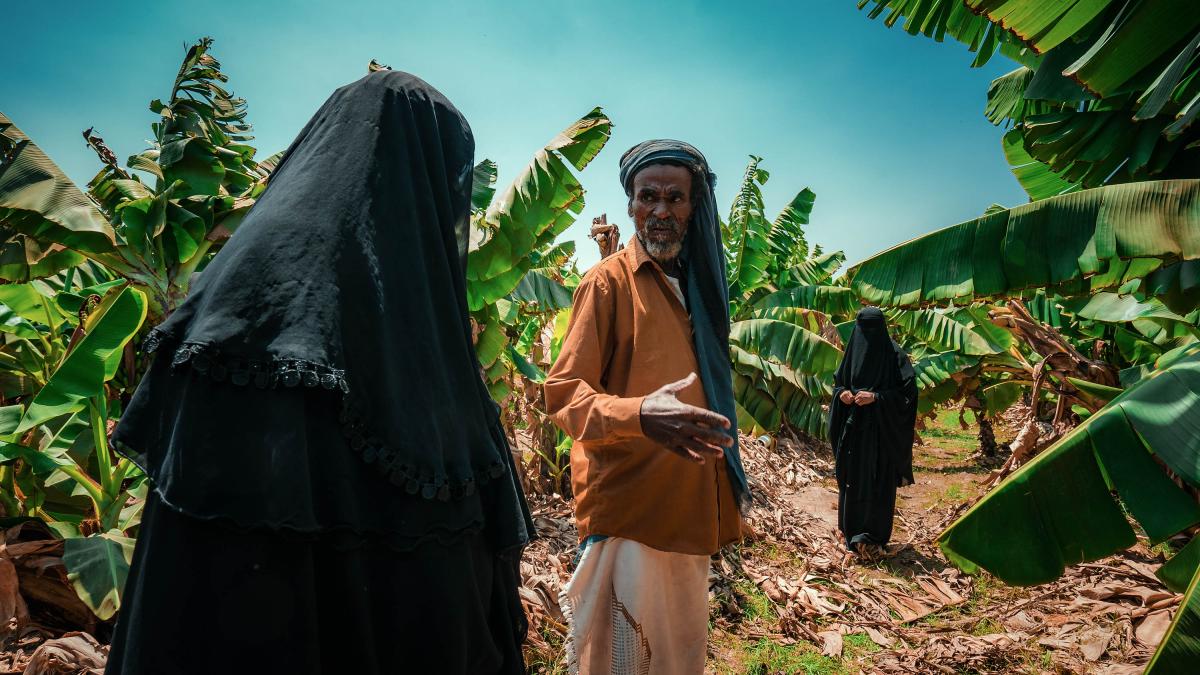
640 256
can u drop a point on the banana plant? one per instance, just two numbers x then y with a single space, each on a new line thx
55 459
1060 509
784 345
520 283
153 222
1107 93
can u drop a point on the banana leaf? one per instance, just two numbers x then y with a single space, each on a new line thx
1177 572
97 567
538 289
788 243
942 332
1058 509
830 300
1037 179
39 201
938 18
483 185
490 342
93 361
537 207
786 343
1062 243
813 271
1179 650
748 233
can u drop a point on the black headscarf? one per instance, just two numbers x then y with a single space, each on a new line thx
703 261
348 278
873 362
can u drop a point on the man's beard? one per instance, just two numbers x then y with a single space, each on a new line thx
661 251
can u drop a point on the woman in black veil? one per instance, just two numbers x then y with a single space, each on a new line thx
871 424
332 490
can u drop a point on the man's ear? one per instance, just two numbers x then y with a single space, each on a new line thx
629 209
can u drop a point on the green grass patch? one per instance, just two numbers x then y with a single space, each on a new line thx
954 493
856 645
945 433
755 604
766 656
987 627
550 662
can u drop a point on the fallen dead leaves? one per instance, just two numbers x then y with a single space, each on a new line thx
925 615
37 604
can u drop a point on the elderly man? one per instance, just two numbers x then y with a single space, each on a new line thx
643 385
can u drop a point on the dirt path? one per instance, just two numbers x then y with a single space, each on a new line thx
789 605
786 602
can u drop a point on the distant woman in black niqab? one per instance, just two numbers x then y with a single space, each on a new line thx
871 425
331 488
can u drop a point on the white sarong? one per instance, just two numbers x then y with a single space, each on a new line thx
635 610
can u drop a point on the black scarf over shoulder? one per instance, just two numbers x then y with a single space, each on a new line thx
338 306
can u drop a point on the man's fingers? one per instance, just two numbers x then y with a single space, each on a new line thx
704 416
687 454
702 450
708 435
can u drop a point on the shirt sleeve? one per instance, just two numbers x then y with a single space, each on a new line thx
575 398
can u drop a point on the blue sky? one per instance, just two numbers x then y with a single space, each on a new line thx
887 129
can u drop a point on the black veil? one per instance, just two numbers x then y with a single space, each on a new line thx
336 317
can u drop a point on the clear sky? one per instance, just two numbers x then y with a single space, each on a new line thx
888 129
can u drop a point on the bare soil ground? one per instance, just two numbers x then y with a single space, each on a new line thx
788 601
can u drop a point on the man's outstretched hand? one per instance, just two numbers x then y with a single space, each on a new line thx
690 432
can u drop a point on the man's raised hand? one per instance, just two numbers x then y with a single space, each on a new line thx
690 432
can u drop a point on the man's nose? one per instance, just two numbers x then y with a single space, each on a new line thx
661 211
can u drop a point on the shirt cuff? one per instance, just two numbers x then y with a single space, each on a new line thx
625 415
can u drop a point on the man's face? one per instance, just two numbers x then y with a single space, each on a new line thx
661 208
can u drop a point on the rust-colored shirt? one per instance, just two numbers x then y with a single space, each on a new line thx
630 335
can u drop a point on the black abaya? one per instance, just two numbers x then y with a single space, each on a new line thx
872 443
332 490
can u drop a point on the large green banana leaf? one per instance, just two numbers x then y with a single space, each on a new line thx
748 233
537 207
788 344
943 333
37 200
788 244
938 18
540 289
1179 650
1120 46
768 394
93 361
1058 509
1037 179
1138 56
830 300
1064 242
1009 98
1132 44
818 269
97 567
